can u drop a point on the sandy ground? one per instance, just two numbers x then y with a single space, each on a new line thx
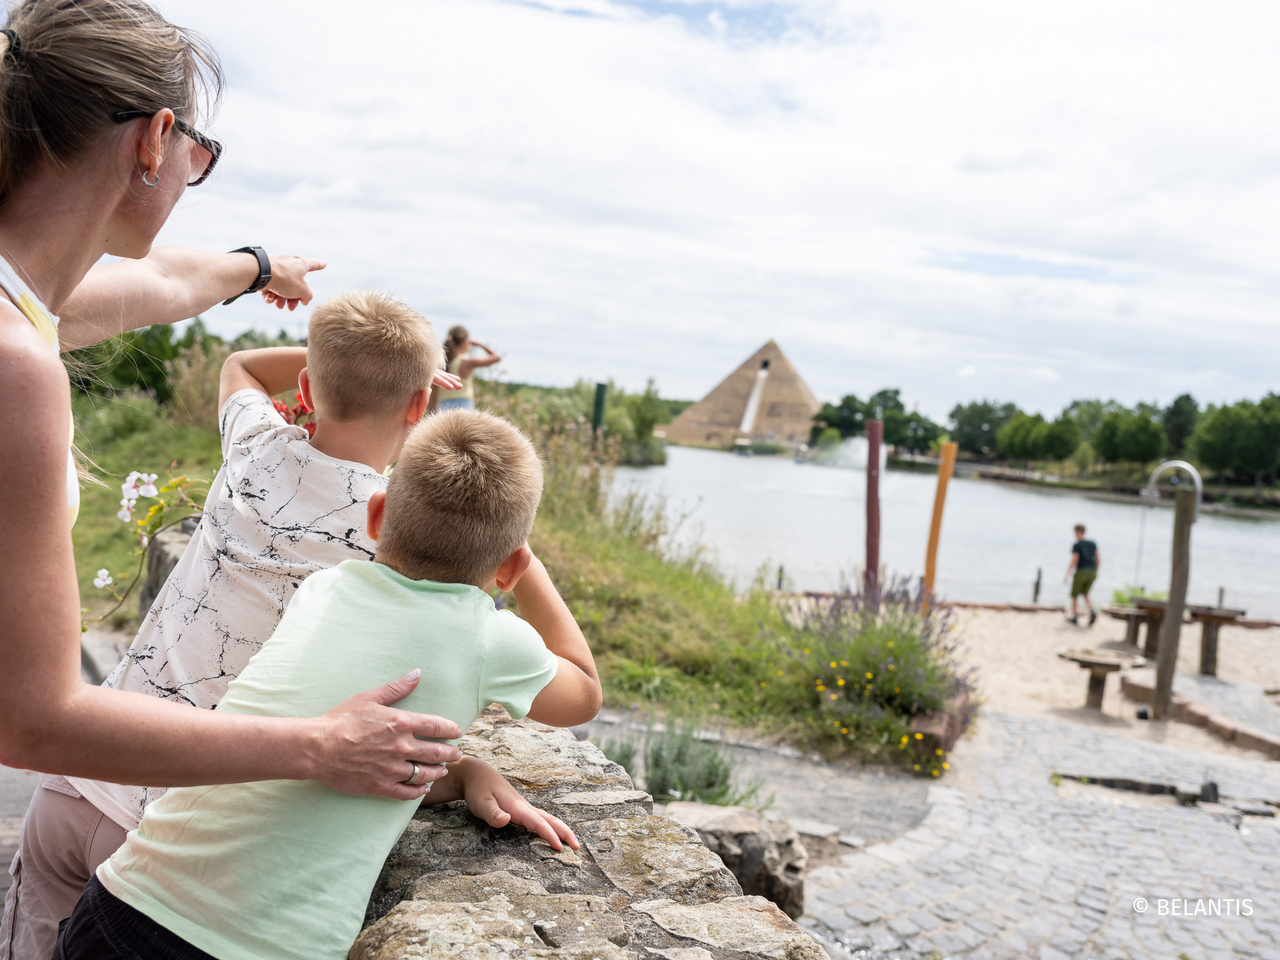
1019 671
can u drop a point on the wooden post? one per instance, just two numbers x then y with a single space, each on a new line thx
875 434
1209 648
597 411
1171 625
945 468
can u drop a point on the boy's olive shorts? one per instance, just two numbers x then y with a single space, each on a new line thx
1082 581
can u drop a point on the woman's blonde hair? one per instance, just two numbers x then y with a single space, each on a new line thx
69 65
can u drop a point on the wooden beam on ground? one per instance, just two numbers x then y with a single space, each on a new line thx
945 466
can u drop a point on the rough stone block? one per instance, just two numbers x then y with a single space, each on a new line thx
657 857
1252 739
1222 726
467 931
1138 689
601 804
745 924
542 762
766 856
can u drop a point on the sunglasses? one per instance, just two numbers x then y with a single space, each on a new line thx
203 159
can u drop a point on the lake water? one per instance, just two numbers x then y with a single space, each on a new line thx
754 511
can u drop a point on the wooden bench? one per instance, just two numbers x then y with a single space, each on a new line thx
1133 618
1099 663
1210 620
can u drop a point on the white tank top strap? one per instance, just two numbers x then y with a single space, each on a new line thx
47 325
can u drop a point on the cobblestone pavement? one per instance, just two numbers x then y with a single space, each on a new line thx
1245 703
1007 866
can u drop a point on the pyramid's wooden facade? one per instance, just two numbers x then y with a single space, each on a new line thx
764 400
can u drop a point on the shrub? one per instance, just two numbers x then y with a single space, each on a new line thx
679 765
195 374
623 752
868 664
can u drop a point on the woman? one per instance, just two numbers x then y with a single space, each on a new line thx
459 362
97 143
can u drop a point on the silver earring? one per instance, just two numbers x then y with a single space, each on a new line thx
150 183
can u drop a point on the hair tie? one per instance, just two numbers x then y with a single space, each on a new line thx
15 43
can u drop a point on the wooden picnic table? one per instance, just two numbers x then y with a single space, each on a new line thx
1154 611
1133 617
1099 663
1210 620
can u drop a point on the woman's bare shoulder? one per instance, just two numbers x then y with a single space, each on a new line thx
32 377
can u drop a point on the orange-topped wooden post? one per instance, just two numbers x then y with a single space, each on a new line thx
945 468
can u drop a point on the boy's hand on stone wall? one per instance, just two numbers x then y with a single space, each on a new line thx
491 798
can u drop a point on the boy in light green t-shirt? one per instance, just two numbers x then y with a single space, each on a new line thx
284 869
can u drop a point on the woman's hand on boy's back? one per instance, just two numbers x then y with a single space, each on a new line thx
365 747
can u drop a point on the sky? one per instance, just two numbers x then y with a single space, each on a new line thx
1026 202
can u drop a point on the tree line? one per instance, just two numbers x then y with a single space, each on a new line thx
1239 442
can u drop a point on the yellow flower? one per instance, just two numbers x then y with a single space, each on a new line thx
896 690
946 766
916 767
870 676
938 751
935 773
892 667
840 682
762 683
806 649
833 664
821 688
779 673
919 736
844 663
844 729
833 696
891 643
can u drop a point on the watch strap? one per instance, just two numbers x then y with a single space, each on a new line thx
264 272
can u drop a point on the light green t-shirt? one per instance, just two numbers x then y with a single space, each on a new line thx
284 868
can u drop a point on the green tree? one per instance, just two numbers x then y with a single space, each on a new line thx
1220 431
849 416
1140 439
1106 437
1061 439
974 426
1089 414
1258 453
1025 437
1179 420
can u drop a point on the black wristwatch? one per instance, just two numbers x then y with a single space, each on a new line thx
264 271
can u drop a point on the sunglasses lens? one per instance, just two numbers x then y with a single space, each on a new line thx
200 161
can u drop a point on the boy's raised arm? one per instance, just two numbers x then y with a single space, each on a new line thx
271 370
573 696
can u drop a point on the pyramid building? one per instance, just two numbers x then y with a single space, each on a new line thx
764 400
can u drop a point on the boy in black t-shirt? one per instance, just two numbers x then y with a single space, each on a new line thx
1084 561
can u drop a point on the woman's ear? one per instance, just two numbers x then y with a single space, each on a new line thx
150 150
513 568
304 388
377 505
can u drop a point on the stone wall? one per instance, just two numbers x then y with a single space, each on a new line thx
642 887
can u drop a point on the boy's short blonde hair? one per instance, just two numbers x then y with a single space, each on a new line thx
368 353
461 500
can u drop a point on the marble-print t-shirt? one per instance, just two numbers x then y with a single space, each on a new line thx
278 511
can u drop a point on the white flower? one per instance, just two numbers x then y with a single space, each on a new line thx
126 509
129 489
103 579
148 488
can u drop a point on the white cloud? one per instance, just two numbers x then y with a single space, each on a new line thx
882 187
1044 374
967 371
